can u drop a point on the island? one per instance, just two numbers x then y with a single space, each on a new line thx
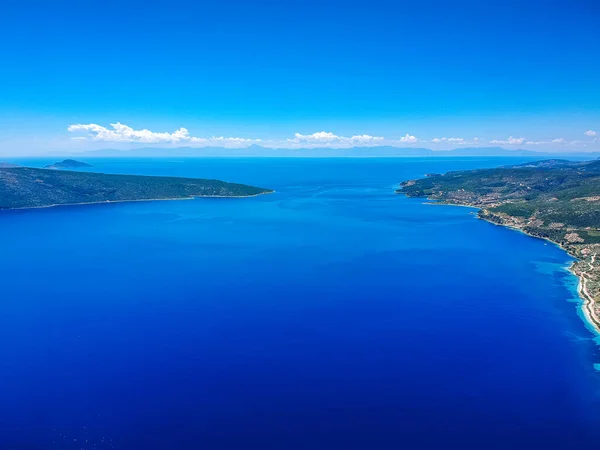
25 187
557 200
68 164
5 165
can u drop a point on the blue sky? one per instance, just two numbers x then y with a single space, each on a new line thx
513 73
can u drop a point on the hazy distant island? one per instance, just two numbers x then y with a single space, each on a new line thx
5 165
68 164
557 200
25 187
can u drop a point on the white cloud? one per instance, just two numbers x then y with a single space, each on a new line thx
229 139
451 140
515 141
510 141
407 138
328 138
366 138
559 141
318 136
124 133
553 141
120 133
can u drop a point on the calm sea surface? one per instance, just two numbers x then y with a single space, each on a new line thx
332 314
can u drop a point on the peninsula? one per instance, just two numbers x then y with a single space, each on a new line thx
25 187
557 200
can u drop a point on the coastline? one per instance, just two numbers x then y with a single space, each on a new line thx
135 200
587 302
555 200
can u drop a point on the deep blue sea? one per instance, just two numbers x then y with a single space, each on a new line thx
332 314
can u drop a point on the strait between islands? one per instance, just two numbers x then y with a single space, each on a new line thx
556 200
26 187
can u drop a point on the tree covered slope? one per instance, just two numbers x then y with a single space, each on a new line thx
25 187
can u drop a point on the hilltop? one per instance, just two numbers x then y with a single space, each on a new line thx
25 187
557 200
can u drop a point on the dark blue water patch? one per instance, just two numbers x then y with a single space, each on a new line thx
332 314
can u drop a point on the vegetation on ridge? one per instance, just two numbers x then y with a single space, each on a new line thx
25 187
68 164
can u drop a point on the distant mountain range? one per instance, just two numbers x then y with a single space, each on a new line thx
383 151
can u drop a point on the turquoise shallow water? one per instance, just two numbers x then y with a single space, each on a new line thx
331 314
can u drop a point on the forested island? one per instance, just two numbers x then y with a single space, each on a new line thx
68 164
557 200
25 187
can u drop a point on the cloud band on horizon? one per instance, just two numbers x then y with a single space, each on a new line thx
122 133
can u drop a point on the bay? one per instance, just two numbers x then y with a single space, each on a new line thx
330 314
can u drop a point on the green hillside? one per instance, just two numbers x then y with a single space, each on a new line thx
25 187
